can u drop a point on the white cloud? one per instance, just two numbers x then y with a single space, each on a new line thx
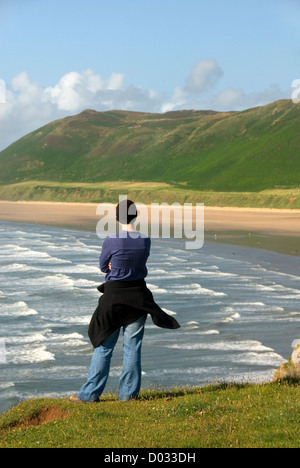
230 98
237 99
202 79
204 75
198 92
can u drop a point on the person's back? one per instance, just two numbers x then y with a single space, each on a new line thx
124 256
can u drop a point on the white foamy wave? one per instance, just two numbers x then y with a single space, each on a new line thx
61 282
156 289
192 324
287 292
17 339
29 354
79 320
156 273
215 273
84 283
67 339
16 309
242 345
263 359
175 259
17 253
170 312
232 317
261 287
253 307
57 281
15 267
69 269
196 288
5 385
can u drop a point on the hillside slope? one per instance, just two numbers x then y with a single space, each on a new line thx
253 150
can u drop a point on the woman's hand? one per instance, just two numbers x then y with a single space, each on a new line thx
109 265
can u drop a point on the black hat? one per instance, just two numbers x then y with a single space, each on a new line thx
126 212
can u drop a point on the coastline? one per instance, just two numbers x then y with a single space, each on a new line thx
239 226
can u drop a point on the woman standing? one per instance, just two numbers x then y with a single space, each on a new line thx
125 303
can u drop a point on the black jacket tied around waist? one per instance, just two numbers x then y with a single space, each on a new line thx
122 303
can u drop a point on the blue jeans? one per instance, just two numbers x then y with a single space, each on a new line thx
130 380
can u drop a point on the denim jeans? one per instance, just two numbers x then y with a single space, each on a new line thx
130 380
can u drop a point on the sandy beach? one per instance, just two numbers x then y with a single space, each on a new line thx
84 216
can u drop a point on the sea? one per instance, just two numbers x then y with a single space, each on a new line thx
238 307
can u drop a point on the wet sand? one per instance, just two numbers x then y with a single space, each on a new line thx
230 225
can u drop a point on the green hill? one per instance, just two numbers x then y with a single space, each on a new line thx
250 151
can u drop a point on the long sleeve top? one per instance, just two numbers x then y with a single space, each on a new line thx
125 296
127 252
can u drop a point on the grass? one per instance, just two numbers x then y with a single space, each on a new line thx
146 192
216 416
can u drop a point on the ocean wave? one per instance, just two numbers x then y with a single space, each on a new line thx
67 339
195 288
156 289
77 248
252 307
60 281
281 290
193 324
71 319
231 318
17 309
41 347
23 339
156 273
11 250
15 267
66 268
216 273
262 359
170 312
5 385
14 252
84 283
242 345
29 354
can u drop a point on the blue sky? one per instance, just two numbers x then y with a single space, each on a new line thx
60 57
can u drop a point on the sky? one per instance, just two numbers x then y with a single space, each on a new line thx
59 57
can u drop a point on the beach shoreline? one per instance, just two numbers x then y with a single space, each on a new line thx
239 226
264 220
